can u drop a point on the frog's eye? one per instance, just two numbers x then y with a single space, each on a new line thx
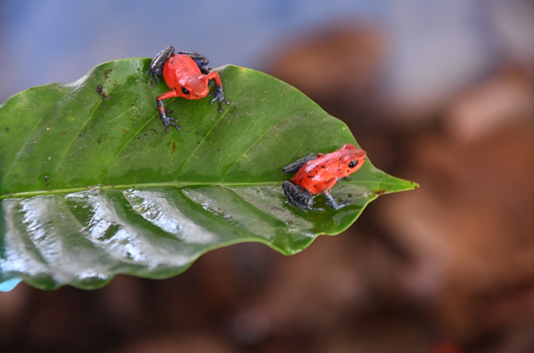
186 92
353 164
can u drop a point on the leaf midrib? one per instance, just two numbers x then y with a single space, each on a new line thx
97 188
136 185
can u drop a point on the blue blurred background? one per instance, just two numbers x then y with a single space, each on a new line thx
59 41
432 47
440 92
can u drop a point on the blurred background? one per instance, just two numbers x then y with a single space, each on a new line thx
439 92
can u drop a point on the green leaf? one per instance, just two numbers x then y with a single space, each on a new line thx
91 186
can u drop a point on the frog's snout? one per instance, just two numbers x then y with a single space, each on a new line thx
201 93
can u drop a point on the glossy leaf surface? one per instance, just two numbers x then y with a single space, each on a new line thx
91 186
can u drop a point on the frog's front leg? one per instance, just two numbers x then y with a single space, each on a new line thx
298 196
331 201
167 120
157 64
299 163
219 94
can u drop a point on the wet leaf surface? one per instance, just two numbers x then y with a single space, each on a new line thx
91 186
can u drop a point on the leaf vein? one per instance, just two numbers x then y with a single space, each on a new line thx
8 172
202 141
62 158
254 144
209 131
135 135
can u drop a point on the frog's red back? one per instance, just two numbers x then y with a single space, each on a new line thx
182 71
322 173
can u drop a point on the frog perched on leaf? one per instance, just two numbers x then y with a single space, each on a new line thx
318 174
187 75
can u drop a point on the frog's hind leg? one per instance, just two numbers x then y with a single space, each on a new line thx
295 166
157 64
201 61
298 196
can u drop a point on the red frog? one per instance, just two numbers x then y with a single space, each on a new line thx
318 174
187 75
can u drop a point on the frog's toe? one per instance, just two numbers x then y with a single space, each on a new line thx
214 99
168 121
219 96
152 76
220 99
331 201
344 203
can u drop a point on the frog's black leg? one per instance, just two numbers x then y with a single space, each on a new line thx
333 203
295 166
219 94
167 120
201 61
298 196
157 64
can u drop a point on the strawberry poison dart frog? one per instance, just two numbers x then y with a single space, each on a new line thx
187 75
318 174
